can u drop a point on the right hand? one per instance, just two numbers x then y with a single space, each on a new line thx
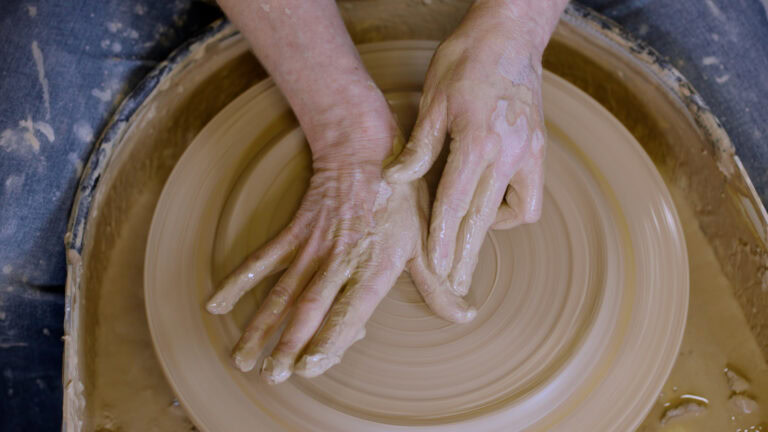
483 91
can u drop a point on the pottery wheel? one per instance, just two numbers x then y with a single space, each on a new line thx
580 316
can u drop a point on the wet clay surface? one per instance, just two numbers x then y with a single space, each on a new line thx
133 396
716 337
571 311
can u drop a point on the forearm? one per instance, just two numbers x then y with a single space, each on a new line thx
308 52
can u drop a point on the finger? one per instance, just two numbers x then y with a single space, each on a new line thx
474 228
274 308
437 293
311 309
269 259
346 320
454 194
435 289
423 146
524 197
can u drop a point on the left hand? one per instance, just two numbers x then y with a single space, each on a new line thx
324 325
395 243
483 87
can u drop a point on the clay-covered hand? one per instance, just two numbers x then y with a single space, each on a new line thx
483 88
353 234
351 238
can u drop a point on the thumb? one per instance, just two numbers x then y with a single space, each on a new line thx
437 293
423 147
523 199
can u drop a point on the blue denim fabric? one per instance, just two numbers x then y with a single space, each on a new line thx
64 68
721 46
66 65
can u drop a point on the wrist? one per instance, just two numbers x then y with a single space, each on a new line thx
349 115
529 23
343 114
364 140
350 133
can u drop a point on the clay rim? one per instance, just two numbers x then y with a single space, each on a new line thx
578 16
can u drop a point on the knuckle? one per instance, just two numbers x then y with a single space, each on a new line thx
341 240
311 302
281 294
490 146
253 259
253 333
289 344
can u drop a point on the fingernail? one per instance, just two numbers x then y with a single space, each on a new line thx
464 312
248 349
275 371
314 365
469 314
218 308
243 362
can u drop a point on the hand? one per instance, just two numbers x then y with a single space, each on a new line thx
483 87
353 232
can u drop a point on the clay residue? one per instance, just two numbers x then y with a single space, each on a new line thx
37 54
74 400
736 382
686 408
719 359
23 140
130 366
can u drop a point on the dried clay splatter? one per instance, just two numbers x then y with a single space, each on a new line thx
23 140
38 56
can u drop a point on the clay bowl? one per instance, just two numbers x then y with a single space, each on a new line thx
126 173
